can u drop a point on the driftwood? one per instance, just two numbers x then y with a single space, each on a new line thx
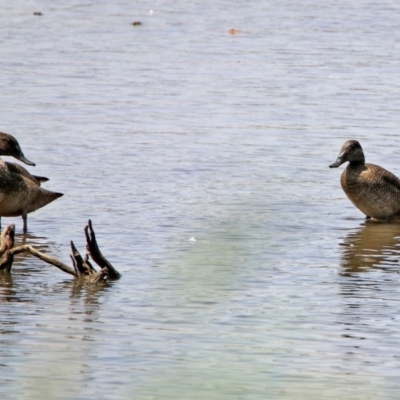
81 267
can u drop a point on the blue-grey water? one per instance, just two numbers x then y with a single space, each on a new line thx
202 159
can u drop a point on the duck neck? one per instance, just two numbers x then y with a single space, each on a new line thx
360 162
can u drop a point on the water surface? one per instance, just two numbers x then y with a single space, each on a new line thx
174 130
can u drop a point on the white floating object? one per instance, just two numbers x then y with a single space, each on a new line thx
151 12
192 239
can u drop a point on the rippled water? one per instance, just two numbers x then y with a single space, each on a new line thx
175 129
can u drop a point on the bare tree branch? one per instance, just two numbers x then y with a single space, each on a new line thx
81 267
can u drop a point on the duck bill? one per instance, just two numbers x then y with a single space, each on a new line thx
25 160
340 160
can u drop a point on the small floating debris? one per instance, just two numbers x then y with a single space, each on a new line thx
192 239
235 31
38 13
137 23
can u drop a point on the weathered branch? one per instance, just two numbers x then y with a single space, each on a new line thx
96 254
7 243
45 257
81 267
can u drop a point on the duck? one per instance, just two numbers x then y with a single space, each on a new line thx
9 146
20 191
21 195
374 190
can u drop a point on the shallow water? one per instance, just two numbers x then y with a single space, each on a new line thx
174 130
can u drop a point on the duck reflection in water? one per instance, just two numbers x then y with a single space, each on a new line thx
373 245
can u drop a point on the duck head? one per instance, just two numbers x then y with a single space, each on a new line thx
9 146
351 151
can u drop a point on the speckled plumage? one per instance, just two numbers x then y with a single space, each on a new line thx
20 191
20 195
371 188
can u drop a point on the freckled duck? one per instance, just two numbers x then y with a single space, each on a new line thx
371 188
20 191
9 146
20 195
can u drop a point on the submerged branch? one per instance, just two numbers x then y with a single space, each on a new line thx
44 257
81 267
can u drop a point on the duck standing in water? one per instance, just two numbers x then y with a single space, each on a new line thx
371 188
20 192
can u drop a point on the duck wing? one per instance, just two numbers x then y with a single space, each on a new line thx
391 180
19 169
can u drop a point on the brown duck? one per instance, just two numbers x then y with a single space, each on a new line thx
371 188
9 146
20 191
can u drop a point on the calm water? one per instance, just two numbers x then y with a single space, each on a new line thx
175 129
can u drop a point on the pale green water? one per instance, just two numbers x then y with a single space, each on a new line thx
176 129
